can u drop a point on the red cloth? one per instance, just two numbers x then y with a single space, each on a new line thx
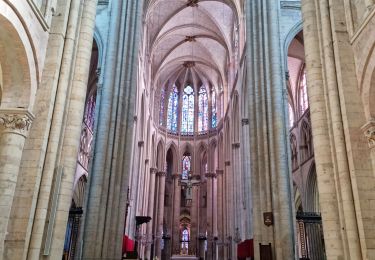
245 249
127 244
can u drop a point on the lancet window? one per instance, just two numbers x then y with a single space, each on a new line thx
214 110
203 110
186 110
173 110
186 166
162 107
185 241
187 124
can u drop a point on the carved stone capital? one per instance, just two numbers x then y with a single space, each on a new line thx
210 175
227 163
236 145
369 132
17 121
219 172
141 143
161 174
153 170
245 121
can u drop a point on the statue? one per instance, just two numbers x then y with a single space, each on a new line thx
188 185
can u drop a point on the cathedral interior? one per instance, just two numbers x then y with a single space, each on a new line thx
187 129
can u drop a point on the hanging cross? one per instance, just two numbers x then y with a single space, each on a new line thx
188 185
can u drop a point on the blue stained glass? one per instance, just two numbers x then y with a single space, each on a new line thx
185 241
203 110
162 107
186 166
187 124
214 110
172 110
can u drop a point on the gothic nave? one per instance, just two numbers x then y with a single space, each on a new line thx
187 129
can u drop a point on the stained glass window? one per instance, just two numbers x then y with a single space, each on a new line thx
214 111
203 110
186 166
187 124
162 102
172 110
185 241
303 94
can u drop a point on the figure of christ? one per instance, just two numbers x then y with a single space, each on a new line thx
188 185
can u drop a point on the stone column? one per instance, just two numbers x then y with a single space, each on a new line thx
220 214
150 210
210 214
194 213
328 196
161 176
176 215
369 132
72 134
14 127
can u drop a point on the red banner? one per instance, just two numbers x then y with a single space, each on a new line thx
245 249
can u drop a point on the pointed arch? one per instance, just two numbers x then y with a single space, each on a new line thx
174 151
160 155
312 194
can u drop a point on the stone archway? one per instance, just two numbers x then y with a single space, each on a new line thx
18 82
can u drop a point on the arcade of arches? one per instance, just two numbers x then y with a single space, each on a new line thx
187 129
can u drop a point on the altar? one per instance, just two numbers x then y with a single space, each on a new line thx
184 257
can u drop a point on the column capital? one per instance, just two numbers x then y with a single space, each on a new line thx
227 163
153 170
16 120
210 175
236 145
161 174
369 132
219 172
195 177
175 176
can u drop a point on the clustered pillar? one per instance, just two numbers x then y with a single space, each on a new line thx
14 127
176 215
160 220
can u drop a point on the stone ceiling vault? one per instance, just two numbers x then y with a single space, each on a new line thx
201 32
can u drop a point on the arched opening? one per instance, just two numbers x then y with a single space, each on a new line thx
19 76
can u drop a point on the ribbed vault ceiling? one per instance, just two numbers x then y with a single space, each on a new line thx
190 37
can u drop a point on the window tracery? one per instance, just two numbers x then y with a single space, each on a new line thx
186 167
203 110
214 110
172 110
187 124
162 107
180 110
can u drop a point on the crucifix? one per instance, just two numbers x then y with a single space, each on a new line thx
188 186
